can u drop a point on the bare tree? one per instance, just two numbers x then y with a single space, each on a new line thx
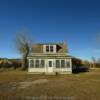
87 63
22 45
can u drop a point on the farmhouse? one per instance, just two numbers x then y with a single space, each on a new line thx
49 58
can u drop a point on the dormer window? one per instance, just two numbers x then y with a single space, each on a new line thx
50 48
47 48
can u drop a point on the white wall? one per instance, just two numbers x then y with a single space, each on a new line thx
36 69
45 69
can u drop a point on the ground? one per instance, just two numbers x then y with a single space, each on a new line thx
19 85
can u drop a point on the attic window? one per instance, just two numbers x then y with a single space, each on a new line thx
49 48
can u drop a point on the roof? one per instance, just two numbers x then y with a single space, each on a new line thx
50 43
40 55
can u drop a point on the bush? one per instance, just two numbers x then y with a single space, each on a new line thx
10 63
78 66
16 64
77 69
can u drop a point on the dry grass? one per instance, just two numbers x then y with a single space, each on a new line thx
83 86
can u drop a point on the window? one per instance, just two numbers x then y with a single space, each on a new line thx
47 48
68 64
51 48
31 63
37 63
42 64
62 63
50 63
57 63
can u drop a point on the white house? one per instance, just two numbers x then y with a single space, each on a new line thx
49 58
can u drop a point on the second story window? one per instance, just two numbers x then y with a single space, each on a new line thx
51 48
47 48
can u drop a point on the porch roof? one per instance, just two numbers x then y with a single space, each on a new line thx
49 56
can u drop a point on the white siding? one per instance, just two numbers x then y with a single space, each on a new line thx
45 69
44 48
54 46
36 70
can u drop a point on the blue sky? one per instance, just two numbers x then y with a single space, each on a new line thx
74 21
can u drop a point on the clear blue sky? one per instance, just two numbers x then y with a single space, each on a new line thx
76 21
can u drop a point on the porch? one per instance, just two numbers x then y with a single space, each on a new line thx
62 66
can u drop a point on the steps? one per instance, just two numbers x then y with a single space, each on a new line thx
50 73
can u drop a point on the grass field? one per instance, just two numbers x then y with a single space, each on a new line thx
19 85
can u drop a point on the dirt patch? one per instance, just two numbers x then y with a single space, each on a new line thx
17 85
26 84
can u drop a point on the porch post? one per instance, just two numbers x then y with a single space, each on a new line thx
45 65
71 64
28 64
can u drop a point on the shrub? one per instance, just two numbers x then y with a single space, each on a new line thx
10 63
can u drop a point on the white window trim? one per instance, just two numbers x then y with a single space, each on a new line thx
44 49
60 63
69 60
35 63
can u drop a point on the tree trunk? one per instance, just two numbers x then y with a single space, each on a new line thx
24 62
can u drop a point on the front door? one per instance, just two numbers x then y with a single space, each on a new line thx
50 65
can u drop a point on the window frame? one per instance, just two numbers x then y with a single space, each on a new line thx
68 63
50 64
31 62
37 63
58 65
42 64
63 64
49 48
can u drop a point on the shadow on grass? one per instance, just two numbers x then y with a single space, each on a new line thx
81 69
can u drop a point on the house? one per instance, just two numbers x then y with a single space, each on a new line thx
49 58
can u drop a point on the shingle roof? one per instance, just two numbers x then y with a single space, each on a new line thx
48 43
